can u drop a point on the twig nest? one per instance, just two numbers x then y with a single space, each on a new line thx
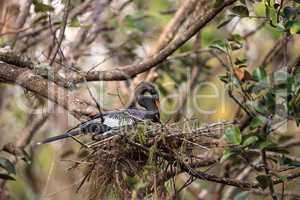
116 159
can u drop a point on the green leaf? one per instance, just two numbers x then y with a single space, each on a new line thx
250 140
227 153
259 74
280 27
297 1
75 22
220 45
233 135
241 196
289 162
264 181
7 177
264 144
224 78
241 11
295 28
7 165
255 123
39 6
131 181
135 22
283 178
237 38
236 41
240 61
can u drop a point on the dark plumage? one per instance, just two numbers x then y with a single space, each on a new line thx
114 120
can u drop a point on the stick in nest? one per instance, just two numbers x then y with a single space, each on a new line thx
117 152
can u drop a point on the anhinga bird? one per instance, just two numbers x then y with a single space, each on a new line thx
145 96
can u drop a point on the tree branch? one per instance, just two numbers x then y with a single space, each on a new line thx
61 33
170 31
129 71
37 84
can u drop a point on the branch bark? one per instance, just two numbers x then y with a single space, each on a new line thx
171 30
40 86
129 71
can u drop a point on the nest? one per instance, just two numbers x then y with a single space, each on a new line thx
118 160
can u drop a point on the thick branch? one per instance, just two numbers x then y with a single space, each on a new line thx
245 185
37 84
170 31
129 71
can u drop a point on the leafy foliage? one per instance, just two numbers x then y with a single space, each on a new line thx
265 90
233 135
241 11
39 6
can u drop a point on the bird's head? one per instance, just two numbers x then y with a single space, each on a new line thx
147 96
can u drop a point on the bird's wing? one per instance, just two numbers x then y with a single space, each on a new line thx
136 114
118 119
112 120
